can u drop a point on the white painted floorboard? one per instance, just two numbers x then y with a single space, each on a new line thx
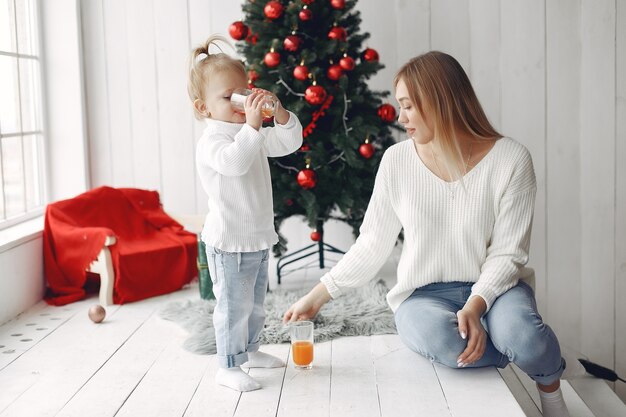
55 362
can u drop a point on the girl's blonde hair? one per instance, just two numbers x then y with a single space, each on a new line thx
201 68
439 87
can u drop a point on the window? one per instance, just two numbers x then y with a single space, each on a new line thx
22 174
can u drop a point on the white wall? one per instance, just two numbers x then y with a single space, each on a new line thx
66 147
21 281
551 74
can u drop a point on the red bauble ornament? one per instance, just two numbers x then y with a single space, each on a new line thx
305 14
252 76
338 4
338 33
315 95
272 59
292 43
366 150
370 55
301 72
334 72
387 112
273 10
316 236
252 38
307 178
347 63
238 30
305 147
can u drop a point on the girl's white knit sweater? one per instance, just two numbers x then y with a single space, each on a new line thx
478 234
231 160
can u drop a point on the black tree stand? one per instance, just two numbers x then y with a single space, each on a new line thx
318 248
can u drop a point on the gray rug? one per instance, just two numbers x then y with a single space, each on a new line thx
361 311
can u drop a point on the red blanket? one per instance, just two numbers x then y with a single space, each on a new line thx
153 254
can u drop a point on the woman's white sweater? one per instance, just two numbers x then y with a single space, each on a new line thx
231 160
477 233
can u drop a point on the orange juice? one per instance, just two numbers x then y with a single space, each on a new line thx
302 353
267 112
238 98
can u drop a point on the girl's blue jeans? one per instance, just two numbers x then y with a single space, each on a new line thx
427 324
239 284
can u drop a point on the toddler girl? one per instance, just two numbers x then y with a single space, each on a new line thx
231 159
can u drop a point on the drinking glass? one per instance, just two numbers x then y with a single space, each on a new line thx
302 344
238 98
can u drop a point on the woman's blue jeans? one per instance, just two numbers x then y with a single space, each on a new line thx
427 324
239 284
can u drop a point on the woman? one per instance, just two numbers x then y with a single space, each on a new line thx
464 196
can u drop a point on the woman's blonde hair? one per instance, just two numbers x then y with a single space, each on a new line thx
201 68
439 87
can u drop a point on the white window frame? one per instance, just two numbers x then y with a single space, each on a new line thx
43 179
66 161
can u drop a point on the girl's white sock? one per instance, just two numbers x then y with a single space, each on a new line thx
263 360
236 379
552 404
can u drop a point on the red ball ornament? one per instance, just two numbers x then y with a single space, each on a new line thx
273 10
338 4
370 55
316 236
305 148
292 43
307 178
272 59
238 30
305 14
301 72
315 95
387 112
334 72
347 63
366 150
338 33
253 76
252 38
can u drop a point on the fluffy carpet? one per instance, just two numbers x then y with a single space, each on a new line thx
361 311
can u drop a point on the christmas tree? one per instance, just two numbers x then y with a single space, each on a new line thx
311 55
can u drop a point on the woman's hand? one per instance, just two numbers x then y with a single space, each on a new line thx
471 328
307 307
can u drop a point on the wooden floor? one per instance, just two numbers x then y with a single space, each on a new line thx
55 362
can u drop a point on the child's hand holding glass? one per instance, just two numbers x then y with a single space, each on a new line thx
258 104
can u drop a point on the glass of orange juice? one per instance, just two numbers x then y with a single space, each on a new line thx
238 98
302 344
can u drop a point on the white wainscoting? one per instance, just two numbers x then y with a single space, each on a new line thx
21 277
551 74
